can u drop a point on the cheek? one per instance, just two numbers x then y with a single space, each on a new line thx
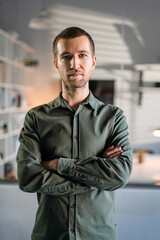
89 66
63 67
89 63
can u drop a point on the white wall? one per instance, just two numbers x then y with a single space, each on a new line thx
147 115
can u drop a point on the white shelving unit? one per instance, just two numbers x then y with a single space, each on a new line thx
15 80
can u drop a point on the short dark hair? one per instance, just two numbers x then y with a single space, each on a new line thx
72 32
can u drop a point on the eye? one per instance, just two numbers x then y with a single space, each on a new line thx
66 57
82 55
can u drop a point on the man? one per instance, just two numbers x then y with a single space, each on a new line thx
74 151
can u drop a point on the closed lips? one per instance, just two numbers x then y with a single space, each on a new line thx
74 73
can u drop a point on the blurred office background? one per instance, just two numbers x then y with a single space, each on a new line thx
127 39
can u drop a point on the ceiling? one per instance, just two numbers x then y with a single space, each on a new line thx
16 14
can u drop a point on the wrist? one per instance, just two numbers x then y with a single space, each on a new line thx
51 164
55 164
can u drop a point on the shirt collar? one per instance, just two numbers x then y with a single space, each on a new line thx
91 101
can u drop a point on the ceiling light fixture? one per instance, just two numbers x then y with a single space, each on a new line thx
44 21
156 132
95 18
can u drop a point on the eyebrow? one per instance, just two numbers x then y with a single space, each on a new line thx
81 51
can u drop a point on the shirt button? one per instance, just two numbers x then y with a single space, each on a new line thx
72 230
73 206
76 116
76 137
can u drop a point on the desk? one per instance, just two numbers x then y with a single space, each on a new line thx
146 172
137 208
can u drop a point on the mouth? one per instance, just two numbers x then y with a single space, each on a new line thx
75 74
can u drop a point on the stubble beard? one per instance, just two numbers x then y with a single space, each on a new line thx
68 85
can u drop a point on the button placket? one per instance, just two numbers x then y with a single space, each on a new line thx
75 136
72 199
73 205
72 230
71 218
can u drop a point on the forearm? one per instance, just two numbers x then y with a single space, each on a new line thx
110 152
102 173
109 172
33 177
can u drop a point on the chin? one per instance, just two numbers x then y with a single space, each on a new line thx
80 84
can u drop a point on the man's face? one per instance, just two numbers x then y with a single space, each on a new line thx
75 61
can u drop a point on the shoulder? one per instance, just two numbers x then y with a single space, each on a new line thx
39 114
108 108
101 105
113 108
43 108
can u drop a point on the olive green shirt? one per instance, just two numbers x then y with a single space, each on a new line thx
78 201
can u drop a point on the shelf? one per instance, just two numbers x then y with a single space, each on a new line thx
149 89
15 63
9 134
12 110
15 86
16 41
7 159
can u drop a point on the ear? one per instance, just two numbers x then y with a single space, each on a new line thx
94 62
55 64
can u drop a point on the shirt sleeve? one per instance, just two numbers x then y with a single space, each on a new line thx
103 173
32 176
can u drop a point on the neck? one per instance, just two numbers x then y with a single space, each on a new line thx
75 97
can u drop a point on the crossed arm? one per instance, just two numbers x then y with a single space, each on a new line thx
66 176
110 152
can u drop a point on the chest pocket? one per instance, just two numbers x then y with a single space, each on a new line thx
56 138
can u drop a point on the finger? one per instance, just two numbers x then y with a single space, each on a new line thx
113 154
109 149
114 151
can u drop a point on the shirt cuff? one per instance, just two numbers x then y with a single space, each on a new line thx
65 164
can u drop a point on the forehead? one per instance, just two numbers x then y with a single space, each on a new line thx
73 45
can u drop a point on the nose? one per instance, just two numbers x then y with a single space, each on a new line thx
75 63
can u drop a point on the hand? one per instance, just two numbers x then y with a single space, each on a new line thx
51 164
112 152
